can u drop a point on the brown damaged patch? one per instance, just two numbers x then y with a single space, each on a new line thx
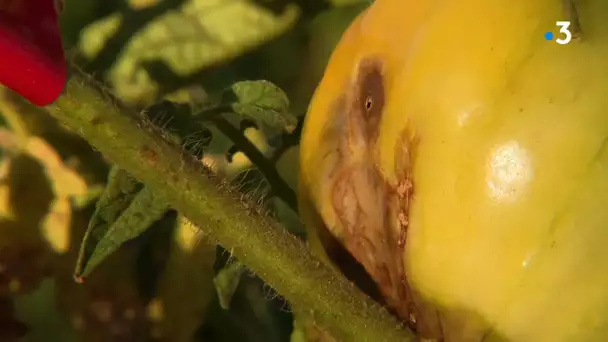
149 155
373 212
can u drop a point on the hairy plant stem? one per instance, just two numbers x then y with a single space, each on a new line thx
263 245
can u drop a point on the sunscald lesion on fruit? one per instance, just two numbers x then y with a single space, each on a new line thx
369 211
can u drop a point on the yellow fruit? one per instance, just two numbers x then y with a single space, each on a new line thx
454 127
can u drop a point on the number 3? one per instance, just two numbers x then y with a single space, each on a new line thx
564 25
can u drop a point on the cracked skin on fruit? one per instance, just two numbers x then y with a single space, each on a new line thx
460 159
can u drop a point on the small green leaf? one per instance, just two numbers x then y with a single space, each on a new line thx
124 211
263 102
226 282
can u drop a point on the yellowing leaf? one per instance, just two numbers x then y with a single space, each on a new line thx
65 181
93 38
56 225
201 34
68 186
6 212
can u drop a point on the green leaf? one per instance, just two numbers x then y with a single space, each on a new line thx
226 282
124 211
263 102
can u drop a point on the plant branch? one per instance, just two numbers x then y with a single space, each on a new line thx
279 186
263 245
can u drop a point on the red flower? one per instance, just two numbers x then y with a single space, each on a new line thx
31 54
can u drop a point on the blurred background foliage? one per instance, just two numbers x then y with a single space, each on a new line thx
169 58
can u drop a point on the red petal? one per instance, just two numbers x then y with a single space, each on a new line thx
31 54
